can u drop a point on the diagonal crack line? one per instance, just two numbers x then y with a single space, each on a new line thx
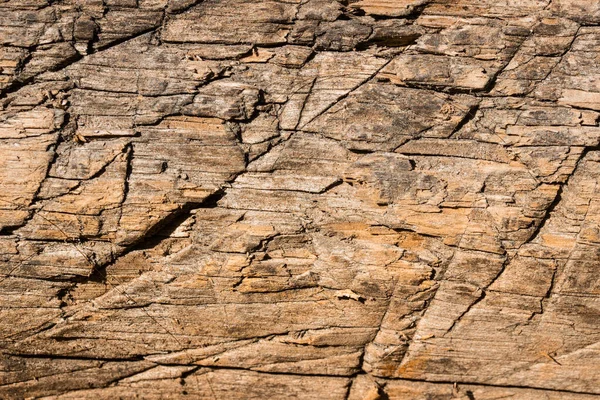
548 293
387 310
100 270
308 94
342 97
492 82
558 197
477 301
562 55
19 84
533 236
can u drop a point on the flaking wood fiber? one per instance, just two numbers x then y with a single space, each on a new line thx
311 199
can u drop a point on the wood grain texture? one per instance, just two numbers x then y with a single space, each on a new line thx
237 199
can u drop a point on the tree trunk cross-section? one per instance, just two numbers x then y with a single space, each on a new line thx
311 199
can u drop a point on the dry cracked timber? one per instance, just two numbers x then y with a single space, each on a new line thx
313 199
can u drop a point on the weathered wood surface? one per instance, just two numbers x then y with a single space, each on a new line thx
300 199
